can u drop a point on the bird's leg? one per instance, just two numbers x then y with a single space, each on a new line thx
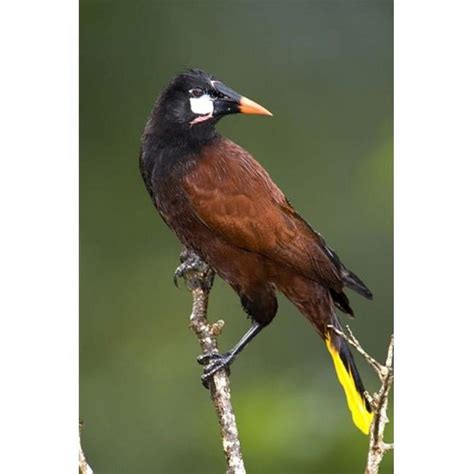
215 362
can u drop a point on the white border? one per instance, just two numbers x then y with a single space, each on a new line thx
39 236
434 135
433 238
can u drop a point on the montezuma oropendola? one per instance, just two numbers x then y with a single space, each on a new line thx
223 205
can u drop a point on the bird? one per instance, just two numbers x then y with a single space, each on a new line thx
225 208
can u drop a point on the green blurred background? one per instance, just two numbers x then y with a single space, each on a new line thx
324 68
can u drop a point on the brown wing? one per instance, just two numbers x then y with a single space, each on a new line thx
233 195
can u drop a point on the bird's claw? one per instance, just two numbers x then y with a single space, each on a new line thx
178 273
204 359
190 263
214 362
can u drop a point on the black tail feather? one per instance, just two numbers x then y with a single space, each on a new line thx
352 281
342 302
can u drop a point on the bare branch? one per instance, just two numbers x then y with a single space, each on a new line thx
199 278
377 446
84 468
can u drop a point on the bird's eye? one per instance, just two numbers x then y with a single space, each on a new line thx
197 92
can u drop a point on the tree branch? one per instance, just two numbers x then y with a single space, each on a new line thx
378 401
199 278
84 468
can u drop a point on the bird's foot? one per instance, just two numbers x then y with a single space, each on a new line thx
191 263
214 362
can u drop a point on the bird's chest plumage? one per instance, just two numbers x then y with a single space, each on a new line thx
167 184
167 171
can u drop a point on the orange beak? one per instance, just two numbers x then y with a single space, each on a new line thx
247 106
232 102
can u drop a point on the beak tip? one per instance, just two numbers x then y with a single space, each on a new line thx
248 106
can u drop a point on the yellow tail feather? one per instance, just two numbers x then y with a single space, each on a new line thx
360 415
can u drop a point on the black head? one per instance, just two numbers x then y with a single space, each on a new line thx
194 101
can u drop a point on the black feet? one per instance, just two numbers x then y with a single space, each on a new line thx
214 362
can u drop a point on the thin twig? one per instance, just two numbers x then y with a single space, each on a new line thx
84 468
377 446
378 401
351 339
199 278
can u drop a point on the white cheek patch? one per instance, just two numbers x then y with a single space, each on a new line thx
202 105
